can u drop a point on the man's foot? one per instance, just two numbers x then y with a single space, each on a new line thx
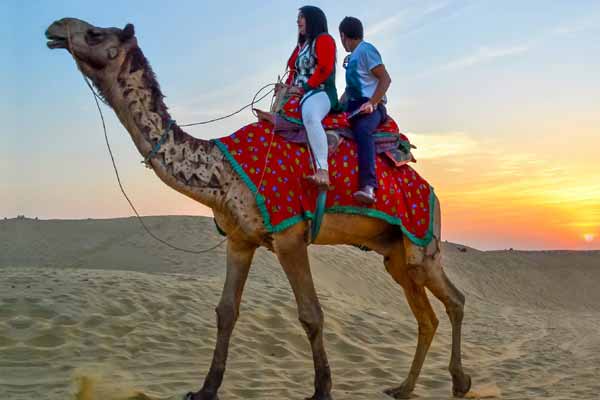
366 195
320 179
265 116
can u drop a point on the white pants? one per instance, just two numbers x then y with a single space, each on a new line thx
314 108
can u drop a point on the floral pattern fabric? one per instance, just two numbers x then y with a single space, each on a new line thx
275 171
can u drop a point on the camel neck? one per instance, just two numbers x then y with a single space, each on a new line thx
187 164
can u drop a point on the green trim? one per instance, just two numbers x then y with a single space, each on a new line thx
405 146
384 134
260 200
319 212
286 223
293 120
369 212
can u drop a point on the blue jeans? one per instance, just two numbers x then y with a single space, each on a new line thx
363 126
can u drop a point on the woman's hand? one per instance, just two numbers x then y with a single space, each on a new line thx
296 91
279 86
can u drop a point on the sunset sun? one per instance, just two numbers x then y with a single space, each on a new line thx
589 237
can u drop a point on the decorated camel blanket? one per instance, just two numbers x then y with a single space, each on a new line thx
285 197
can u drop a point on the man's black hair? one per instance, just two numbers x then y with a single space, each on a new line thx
316 23
352 28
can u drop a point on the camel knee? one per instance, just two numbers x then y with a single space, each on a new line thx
418 274
312 322
455 313
227 314
455 304
427 327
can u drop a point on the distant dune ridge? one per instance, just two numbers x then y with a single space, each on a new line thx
97 310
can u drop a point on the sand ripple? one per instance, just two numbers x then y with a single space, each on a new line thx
71 333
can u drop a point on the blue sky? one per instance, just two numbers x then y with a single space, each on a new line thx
510 82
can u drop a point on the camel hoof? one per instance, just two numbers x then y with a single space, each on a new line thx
200 396
461 387
401 392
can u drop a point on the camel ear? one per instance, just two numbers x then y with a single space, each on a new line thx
127 33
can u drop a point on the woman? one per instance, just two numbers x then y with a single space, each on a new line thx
312 76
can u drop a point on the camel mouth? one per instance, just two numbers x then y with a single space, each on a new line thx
57 37
57 44
56 40
59 32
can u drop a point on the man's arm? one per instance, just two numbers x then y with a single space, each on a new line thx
383 85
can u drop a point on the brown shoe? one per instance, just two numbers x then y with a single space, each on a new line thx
320 179
365 195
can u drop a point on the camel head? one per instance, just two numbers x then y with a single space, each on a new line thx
99 52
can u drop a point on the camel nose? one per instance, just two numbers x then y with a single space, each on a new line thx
53 27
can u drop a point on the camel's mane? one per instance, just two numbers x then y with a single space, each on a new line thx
135 61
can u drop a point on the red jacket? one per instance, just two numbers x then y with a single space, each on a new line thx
325 54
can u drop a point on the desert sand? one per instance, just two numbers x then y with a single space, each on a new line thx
97 310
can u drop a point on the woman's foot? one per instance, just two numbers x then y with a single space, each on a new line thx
265 116
320 179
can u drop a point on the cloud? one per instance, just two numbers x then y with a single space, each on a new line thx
385 25
485 54
442 145
408 19
581 25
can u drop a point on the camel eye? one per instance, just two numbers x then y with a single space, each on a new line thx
94 37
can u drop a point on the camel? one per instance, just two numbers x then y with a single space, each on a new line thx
113 61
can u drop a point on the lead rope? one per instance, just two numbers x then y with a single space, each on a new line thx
96 97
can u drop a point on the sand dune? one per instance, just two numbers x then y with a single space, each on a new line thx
96 310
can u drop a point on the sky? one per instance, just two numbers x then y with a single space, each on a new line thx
502 99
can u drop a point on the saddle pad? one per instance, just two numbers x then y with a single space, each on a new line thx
284 197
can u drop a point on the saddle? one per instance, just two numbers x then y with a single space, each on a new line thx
389 141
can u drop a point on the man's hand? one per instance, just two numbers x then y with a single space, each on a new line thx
367 108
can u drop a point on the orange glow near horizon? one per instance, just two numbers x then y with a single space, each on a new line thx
492 197
525 194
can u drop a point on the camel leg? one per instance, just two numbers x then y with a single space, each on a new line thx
293 256
239 258
442 288
426 319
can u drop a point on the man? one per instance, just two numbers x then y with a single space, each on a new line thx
367 81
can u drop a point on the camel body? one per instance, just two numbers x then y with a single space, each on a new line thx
113 61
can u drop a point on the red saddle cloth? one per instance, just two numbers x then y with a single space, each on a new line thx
275 170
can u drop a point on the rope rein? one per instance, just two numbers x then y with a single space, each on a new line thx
147 160
160 142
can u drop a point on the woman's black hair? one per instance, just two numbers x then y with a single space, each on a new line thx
316 23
